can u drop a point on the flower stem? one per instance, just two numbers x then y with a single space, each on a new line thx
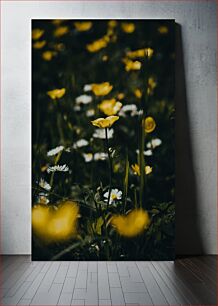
110 167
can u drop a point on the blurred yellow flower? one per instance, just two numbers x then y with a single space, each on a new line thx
148 169
58 224
112 23
60 31
128 27
56 93
132 224
59 47
131 65
83 26
138 93
136 169
151 85
44 168
150 124
110 107
57 21
102 89
37 33
48 55
120 96
39 44
97 44
104 58
163 30
146 52
105 122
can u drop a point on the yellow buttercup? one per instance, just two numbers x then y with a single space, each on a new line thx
102 89
97 44
56 93
150 124
132 65
55 224
105 122
39 44
60 31
136 169
128 27
110 107
83 26
146 52
132 224
48 55
37 33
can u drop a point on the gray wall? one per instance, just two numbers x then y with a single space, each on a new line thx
196 113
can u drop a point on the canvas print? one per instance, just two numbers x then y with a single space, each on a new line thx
103 116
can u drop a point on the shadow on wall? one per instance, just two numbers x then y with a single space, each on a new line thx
188 231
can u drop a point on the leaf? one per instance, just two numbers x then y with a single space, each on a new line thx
99 224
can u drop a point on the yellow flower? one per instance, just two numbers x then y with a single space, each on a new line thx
105 122
120 96
138 93
136 169
59 47
110 107
83 26
148 170
104 58
52 225
132 224
150 124
146 52
163 30
112 23
97 44
48 55
132 65
37 33
39 44
57 21
60 31
102 89
44 168
56 93
128 27
151 85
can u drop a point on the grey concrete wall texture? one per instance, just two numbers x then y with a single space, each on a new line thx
196 225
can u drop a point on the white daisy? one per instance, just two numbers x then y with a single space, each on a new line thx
146 153
87 87
58 168
88 157
100 156
115 195
80 143
131 108
90 112
154 143
43 184
100 133
77 108
83 99
55 151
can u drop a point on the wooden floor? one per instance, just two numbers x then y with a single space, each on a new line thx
188 281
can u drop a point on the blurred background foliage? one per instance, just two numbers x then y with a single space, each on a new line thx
61 59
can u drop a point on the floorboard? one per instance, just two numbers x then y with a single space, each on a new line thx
187 281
